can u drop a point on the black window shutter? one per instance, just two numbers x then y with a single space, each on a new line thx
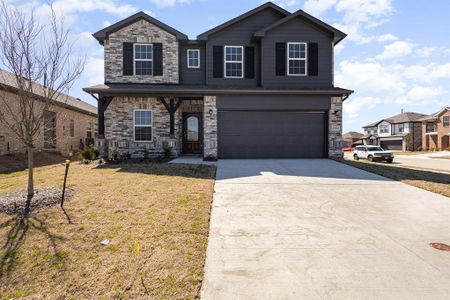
249 62
280 59
157 59
128 59
313 59
217 61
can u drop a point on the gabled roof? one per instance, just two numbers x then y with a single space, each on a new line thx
8 82
103 34
435 115
352 135
400 118
337 34
205 35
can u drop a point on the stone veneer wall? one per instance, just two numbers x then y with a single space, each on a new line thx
119 129
146 33
335 128
210 128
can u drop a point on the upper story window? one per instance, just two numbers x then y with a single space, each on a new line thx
297 53
446 121
384 128
143 124
143 59
234 62
193 58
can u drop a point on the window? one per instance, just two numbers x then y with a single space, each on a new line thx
143 59
401 127
89 130
72 128
143 125
446 121
234 61
431 127
384 128
193 57
297 59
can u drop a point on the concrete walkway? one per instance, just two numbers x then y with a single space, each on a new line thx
317 229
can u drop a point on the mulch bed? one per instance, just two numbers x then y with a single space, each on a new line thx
44 198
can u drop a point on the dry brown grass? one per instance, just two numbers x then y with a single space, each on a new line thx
162 209
436 182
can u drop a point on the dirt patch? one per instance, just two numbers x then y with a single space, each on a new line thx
14 203
440 246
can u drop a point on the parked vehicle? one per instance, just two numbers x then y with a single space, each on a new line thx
373 153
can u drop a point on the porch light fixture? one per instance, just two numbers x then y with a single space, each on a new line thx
210 112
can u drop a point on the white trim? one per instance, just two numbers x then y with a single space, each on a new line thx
304 59
193 67
139 59
237 62
134 125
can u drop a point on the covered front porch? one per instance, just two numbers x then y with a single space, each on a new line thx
157 126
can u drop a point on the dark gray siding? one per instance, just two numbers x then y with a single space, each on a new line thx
239 34
192 76
270 102
297 30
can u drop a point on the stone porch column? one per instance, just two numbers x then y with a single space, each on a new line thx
335 128
209 128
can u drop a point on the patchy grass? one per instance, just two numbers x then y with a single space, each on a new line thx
155 215
435 182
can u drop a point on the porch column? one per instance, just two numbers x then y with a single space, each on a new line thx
172 108
335 128
101 142
210 128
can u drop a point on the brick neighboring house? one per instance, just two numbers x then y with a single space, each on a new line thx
258 86
70 121
351 139
401 132
436 130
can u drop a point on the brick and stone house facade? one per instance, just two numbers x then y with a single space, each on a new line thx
258 86
436 130
401 132
73 121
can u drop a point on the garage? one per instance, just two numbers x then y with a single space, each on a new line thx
272 134
391 145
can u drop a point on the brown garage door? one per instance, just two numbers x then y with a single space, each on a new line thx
391 145
272 134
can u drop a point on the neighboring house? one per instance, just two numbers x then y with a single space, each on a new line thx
351 139
436 130
401 132
68 122
258 86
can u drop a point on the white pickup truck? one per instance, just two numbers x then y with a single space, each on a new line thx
373 153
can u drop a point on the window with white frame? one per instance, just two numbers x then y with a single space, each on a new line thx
234 61
143 125
297 53
193 57
384 128
143 59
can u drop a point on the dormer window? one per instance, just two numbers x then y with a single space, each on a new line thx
143 59
234 61
297 59
193 57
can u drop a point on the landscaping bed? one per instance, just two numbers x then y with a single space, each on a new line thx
154 216
436 182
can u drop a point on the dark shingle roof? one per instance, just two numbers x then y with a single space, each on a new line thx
400 118
435 115
352 135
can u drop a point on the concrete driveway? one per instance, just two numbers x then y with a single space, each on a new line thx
318 229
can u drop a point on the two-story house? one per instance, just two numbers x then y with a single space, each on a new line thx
258 86
400 132
436 130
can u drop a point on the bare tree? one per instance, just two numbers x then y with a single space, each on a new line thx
43 68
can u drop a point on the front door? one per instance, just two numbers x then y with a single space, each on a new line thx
192 133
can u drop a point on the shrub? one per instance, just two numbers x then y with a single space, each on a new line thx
88 153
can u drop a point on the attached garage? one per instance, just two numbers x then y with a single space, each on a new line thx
268 127
392 145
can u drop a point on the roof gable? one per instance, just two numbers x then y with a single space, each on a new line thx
268 5
103 34
337 34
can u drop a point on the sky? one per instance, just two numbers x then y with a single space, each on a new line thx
396 56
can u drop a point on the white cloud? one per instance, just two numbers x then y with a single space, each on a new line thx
168 3
387 38
395 50
354 105
317 7
420 95
94 71
368 12
425 51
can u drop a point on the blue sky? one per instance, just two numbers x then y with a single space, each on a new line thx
397 54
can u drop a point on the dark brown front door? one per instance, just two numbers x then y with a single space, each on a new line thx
192 133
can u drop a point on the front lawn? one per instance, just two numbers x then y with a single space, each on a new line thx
156 217
436 182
